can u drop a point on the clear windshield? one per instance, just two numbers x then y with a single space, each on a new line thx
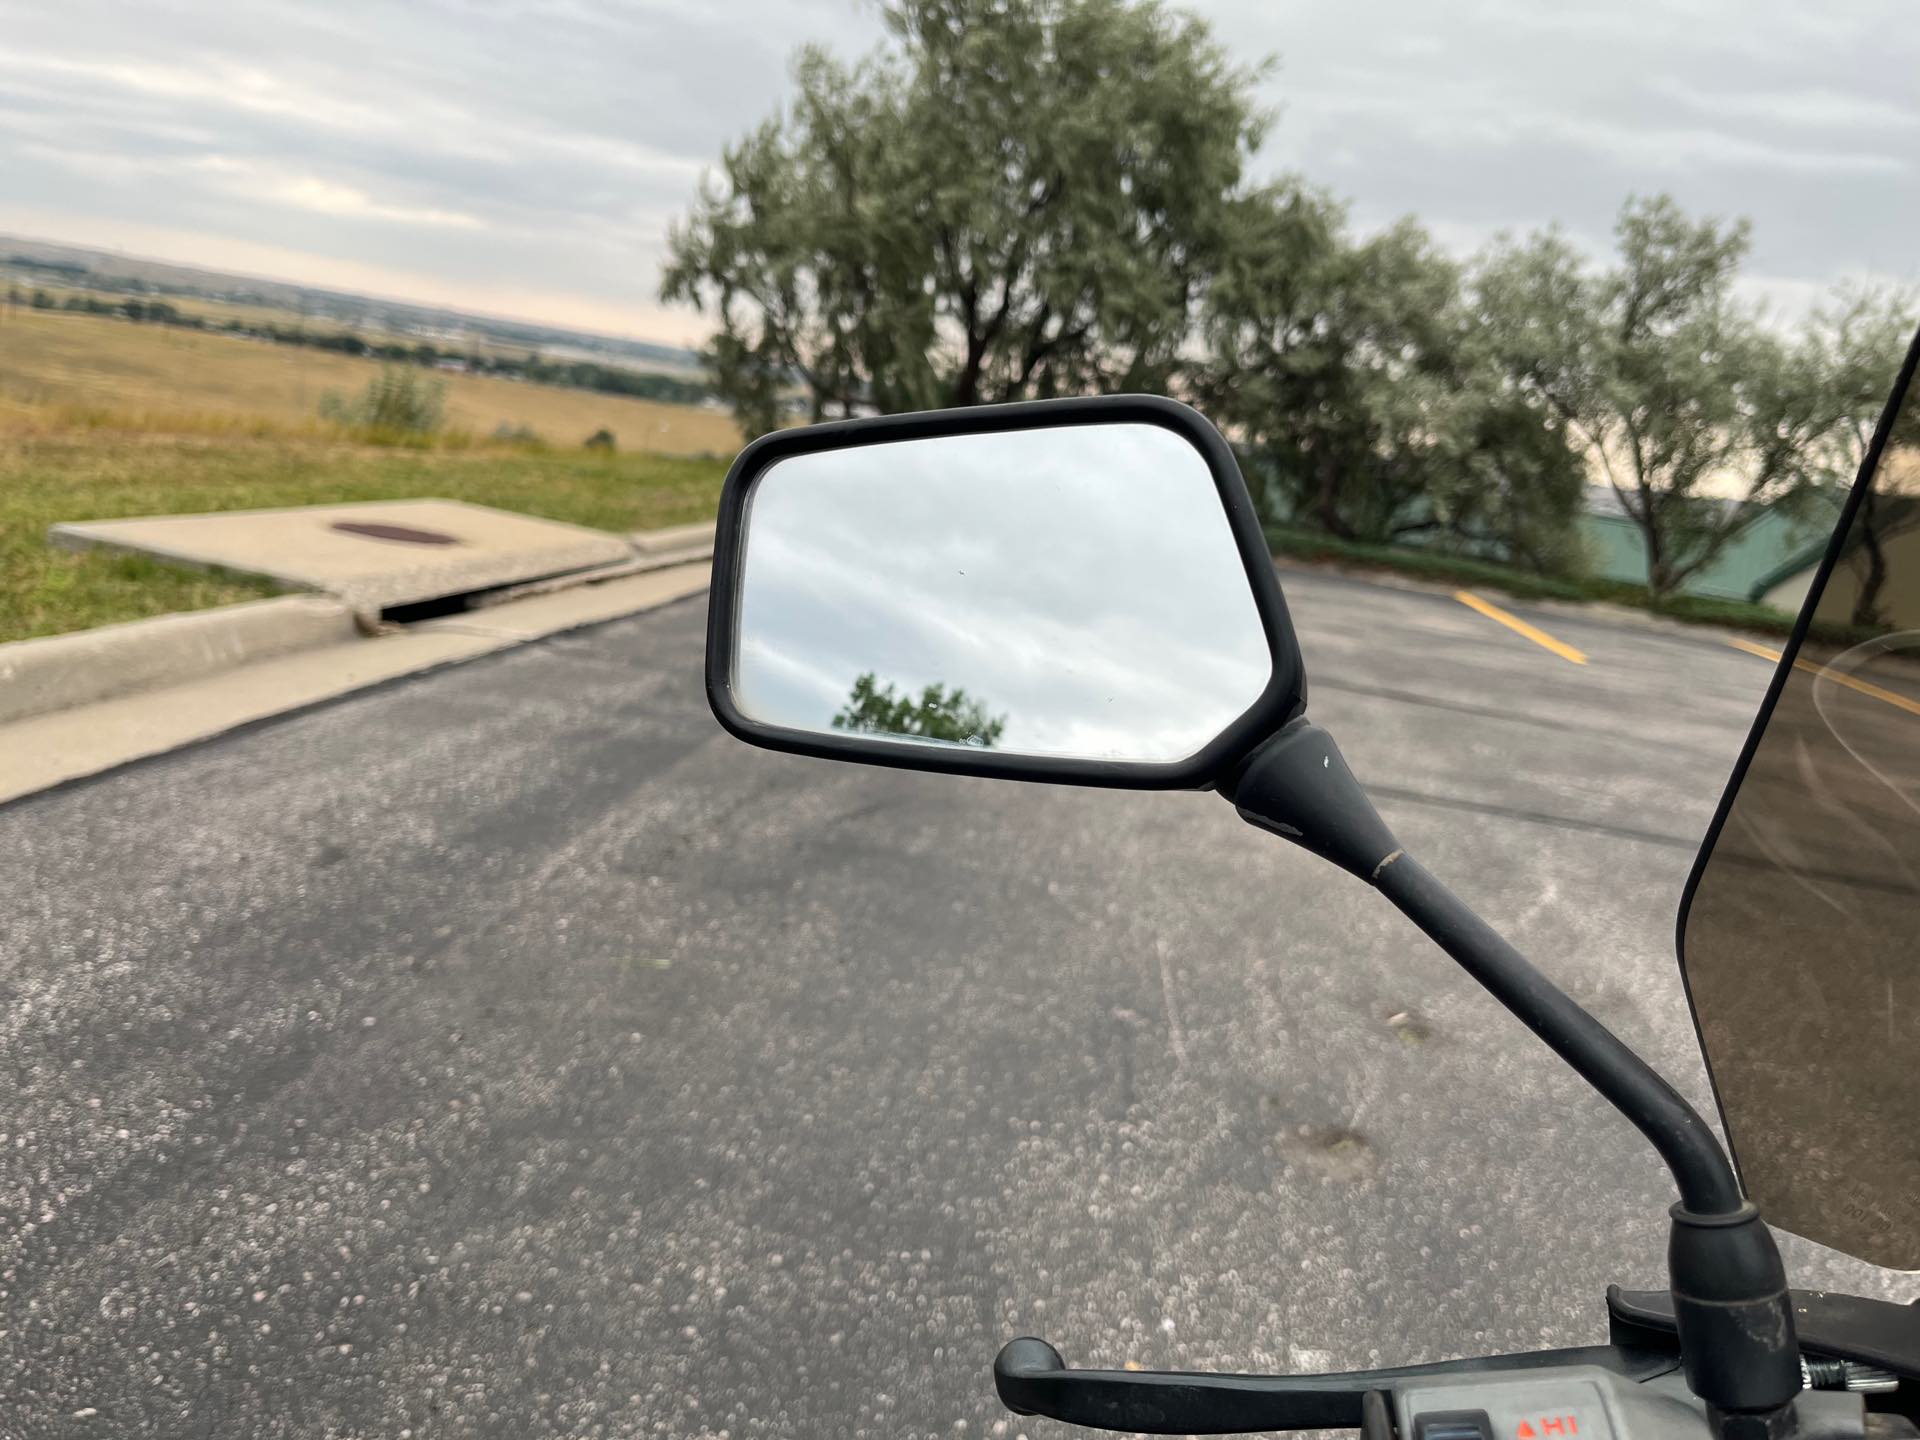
1800 937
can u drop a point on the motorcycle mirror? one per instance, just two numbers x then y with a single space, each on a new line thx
1078 591
1068 590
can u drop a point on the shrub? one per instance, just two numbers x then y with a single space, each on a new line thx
400 401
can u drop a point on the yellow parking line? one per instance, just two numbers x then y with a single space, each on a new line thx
1899 702
1520 627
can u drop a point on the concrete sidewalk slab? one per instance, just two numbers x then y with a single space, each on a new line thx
371 556
47 750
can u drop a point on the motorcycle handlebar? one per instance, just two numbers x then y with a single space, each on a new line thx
1033 1379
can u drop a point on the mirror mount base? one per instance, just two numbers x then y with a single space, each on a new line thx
1729 1287
1298 786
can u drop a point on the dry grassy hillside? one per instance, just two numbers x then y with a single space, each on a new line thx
51 359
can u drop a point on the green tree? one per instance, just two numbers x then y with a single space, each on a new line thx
1505 475
1009 198
938 714
1357 382
1855 343
1673 390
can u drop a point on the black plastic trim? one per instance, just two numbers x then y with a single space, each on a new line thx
1868 468
1283 698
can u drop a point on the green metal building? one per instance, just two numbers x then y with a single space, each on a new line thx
1766 541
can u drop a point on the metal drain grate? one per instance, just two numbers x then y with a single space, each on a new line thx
404 534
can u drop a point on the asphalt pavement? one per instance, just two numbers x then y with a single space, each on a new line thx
507 1052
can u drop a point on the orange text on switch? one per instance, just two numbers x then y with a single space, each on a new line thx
1550 1427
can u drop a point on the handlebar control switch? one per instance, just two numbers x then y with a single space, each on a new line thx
1589 1402
1571 1405
1453 1425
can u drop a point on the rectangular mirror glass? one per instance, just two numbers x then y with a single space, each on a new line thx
1073 592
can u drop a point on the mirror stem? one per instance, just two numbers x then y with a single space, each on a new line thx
1728 1282
1700 1170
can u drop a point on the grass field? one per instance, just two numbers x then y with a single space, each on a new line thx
103 474
102 418
160 376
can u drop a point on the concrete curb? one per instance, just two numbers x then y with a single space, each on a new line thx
43 751
675 538
59 672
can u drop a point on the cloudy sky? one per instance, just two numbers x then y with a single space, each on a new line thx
523 157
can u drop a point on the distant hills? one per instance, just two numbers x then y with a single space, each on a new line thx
126 274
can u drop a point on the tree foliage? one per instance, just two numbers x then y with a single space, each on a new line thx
938 714
1855 344
1365 393
1024 198
1011 198
1691 407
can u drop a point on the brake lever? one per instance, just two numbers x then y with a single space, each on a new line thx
1033 1379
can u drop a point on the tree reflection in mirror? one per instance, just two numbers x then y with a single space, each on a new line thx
939 714
1799 936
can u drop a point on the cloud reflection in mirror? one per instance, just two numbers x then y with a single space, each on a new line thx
1073 591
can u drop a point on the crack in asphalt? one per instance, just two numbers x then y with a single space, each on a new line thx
1533 817
1458 707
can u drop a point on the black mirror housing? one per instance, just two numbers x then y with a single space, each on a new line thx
1213 762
